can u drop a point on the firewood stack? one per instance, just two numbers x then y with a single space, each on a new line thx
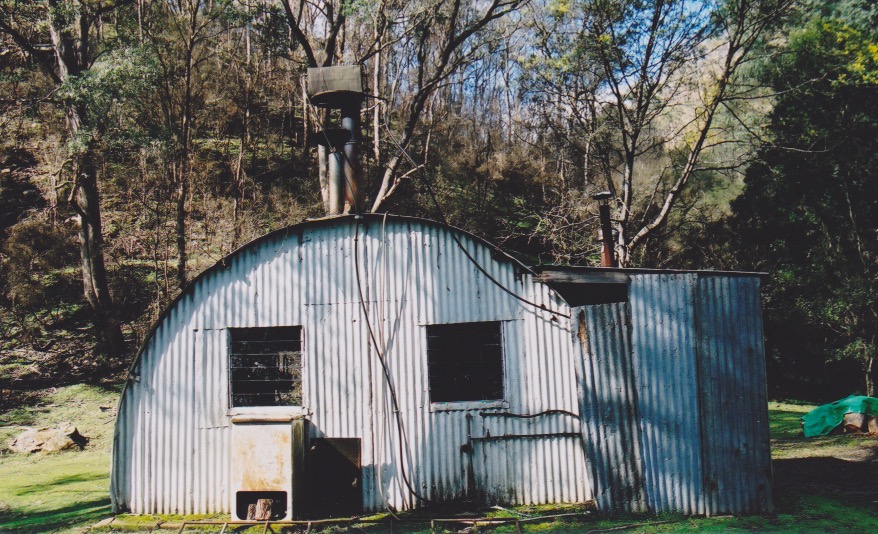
858 423
261 511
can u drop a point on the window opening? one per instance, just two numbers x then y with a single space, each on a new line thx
265 366
465 362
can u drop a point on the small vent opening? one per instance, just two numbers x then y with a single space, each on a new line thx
587 294
245 499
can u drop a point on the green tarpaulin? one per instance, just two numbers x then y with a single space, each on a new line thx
821 420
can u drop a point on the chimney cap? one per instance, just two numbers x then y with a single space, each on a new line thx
333 87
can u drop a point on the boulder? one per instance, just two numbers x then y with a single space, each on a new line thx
64 437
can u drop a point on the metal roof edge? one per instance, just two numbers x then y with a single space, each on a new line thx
641 270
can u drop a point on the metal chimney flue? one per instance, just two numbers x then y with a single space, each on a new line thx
341 87
335 140
608 252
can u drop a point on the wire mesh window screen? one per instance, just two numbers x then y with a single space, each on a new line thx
465 362
266 366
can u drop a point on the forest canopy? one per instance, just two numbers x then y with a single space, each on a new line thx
143 140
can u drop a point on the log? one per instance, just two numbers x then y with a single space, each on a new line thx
854 423
263 510
873 425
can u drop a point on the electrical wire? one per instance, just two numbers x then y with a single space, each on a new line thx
383 424
444 220
380 349
403 441
528 416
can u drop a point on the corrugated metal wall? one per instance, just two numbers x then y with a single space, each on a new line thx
731 375
670 386
690 414
609 408
664 360
172 448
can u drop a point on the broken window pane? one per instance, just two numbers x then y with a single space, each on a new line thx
465 362
265 366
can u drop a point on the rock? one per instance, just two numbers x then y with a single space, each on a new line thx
64 437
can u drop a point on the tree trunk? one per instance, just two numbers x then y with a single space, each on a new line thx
180 225
72 59
871 376
94 275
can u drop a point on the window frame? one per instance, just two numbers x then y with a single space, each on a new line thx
480 404
292 410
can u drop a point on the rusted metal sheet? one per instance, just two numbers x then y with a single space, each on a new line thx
609 408
665 374
731 376
261 460
173 452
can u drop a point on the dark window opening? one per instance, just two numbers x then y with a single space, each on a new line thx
265 366
465 362
586 294
244 499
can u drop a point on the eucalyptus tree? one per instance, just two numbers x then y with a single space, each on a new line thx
64 38
414 48
656 75
182 34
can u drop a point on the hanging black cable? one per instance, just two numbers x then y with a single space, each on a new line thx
403 440
428 182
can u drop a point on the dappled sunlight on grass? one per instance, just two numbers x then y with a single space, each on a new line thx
54 490
821 485
788 441
43 492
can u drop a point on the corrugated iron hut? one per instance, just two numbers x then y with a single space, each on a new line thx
358 363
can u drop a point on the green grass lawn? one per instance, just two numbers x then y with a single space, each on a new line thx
45 492
821 484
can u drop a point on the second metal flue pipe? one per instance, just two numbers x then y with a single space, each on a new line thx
608 252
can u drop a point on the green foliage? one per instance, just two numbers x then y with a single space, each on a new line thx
120 76
810 207
33 250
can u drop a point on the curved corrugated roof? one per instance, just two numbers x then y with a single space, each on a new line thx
296 229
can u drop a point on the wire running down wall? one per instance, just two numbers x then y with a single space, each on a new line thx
656 404
173 444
